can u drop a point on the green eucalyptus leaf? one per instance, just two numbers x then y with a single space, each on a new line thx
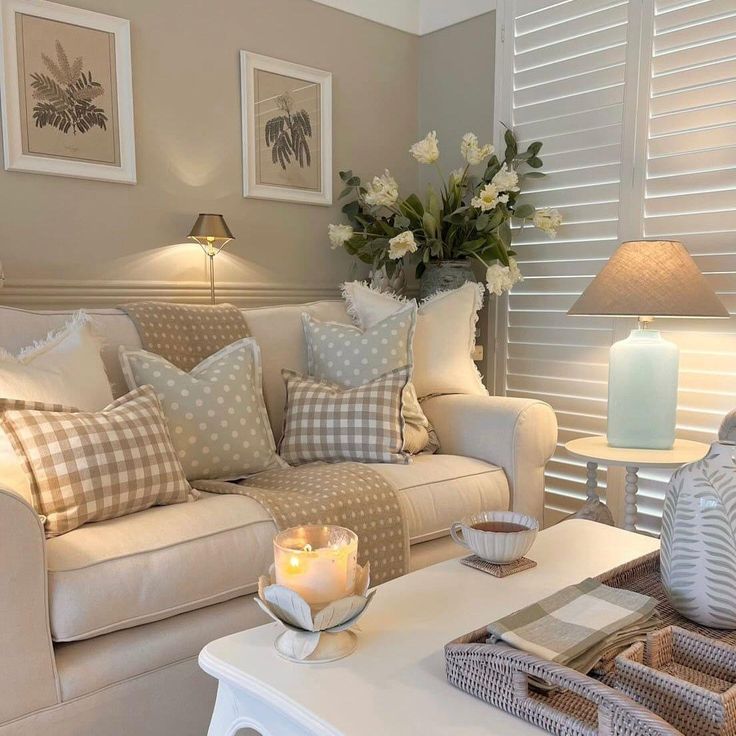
345 192
534 175
524 211
534 148
535 163
353 181
345 175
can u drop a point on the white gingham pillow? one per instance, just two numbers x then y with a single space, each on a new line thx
90 466
325 422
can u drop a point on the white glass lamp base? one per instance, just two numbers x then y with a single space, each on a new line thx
642 391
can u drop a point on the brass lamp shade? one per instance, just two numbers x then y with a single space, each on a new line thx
652 278
211 227
213 234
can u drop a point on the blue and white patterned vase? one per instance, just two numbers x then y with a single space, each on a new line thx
698 553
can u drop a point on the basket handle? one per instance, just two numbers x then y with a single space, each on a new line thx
616 712
607 700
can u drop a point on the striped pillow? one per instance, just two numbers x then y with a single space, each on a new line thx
325 422
90 466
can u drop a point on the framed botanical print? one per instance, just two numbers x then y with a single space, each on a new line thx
67 92
287 130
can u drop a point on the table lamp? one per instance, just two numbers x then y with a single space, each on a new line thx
646 279
213 234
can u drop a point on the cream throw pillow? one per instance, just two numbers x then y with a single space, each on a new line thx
351 357
444 339
216 413
66 369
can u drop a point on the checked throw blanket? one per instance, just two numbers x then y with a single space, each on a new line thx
346 494
576 625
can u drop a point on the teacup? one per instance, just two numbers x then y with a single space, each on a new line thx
496 536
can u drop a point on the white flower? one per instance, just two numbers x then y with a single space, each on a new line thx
547 220
498 279
426 151
339 235
488 198
381 191
456 175
506 180
401 244
515 272
472 152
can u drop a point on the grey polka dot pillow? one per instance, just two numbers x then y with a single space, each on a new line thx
351 357
216 414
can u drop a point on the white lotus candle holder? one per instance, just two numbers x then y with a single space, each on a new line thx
314 634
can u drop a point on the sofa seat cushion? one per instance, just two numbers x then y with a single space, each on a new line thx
167 560
157 563
436 490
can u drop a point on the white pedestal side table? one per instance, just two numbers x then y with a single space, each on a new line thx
596 450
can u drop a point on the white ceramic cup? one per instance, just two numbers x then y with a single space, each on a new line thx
498 547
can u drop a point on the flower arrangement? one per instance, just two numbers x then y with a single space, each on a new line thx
470 217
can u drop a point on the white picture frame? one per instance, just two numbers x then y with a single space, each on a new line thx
15 115
255 183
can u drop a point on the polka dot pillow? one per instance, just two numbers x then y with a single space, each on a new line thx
216 414
351 357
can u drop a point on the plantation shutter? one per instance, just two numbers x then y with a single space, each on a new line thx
688 192
635 103
568 66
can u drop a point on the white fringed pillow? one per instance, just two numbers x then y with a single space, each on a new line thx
444 339
65 368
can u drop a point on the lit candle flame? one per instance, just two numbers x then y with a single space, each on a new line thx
307 547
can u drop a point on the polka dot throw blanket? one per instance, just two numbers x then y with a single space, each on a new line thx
346 494
186 334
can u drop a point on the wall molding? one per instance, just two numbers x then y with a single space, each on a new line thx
418 17
52 294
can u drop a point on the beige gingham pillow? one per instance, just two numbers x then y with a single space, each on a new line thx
325 422
90 466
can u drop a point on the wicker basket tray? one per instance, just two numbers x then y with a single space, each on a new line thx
684 677
579 704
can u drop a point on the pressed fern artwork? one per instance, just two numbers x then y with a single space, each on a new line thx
65 95
286 134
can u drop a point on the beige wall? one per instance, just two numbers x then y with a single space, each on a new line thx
109 242
456 81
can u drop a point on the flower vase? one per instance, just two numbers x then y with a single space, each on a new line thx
395 284
698 553
443 276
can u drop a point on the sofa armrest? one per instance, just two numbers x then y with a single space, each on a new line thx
519 435
27 663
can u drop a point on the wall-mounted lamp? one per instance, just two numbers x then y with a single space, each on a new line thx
213 234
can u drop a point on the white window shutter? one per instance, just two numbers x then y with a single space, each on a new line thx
635 104
568 88
689 194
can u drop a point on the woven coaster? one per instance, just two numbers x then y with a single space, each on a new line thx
498 571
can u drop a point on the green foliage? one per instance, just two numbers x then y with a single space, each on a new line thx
446 225
64 96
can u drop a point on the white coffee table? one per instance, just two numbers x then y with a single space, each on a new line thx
394 684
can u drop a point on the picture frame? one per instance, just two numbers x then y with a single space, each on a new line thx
66 92
287 130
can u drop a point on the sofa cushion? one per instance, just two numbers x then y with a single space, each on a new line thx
436 490
170 559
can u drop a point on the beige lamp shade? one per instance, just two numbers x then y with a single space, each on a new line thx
211 227
650 278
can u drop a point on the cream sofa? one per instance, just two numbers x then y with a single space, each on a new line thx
100 628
